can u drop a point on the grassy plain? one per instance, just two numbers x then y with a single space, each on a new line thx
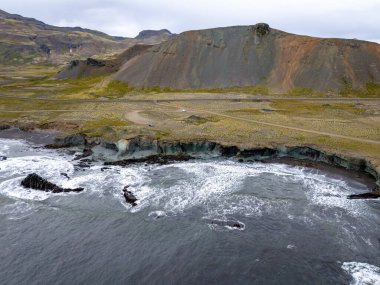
346 123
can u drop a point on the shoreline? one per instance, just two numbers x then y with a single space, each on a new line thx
359 176
36 136
140 147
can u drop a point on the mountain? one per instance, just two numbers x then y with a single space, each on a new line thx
25 40
147 34
254 55
92 67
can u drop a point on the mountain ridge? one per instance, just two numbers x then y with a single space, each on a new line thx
254 55
26 40
43 25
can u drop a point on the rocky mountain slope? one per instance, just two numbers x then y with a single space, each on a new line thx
93 67
25 40
254 55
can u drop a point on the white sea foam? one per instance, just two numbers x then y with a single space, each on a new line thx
208 185
322 190
212 186
362 273
43 165
7 145
14 169
157 214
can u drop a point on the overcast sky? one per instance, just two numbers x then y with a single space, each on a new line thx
325 18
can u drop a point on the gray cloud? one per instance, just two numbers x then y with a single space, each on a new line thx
325 18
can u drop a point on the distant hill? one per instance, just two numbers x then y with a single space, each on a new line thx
24 40
146 34
254 55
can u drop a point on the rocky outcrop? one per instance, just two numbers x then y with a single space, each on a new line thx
36 182
142 149
129 197
152 159
151 147
254 55
68 141
86 153
262 29
375 194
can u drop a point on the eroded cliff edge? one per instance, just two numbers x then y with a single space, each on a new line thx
142 147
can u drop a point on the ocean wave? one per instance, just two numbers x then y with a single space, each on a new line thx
17 210
215 186
362 273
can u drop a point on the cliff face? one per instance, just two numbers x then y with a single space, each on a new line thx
254 55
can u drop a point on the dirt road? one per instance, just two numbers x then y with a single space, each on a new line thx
252 99
277 125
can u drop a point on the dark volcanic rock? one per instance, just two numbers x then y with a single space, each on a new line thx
86 153
226 223
36 182
69 141
94 62
152 159
3 158
129 197
84 163
4 127
262 29
65 175
369 195
255 55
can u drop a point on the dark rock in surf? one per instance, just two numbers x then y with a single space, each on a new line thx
86 153
129 197
2 158
36 182
368 195
152 159
84 163
65 175
226 223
